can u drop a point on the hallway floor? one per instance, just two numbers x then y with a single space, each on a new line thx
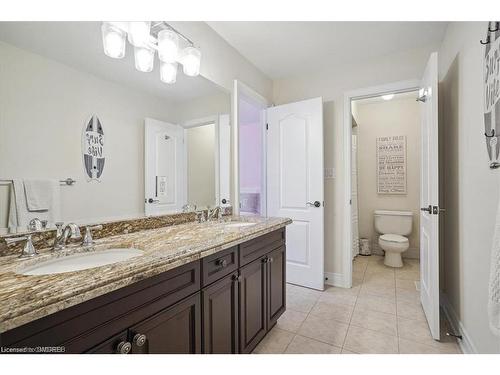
380 314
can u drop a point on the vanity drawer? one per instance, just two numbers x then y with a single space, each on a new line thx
262 245
218 265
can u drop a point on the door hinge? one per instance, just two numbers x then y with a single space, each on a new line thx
267 126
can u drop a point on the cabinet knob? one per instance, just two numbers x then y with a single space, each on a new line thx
237 278
123 347
221 263
139 339
270 259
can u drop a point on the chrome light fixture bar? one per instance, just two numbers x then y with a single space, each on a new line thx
148 37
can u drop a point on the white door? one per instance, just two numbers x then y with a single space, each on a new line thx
429 197
295 186
164 167
224 160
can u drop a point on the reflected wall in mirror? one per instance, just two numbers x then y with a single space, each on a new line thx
54 77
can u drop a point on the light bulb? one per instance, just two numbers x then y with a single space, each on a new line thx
191 58
113 40
139 33
388 96
144 58
168 72
168 46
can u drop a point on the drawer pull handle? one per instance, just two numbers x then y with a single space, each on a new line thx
221 263
123 347
139 339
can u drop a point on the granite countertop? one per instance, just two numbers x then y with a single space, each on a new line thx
27 298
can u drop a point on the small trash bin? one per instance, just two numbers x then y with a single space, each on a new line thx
364 247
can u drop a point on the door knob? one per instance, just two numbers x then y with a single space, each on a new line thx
427 209
225 201
151 200
315 204
139 339
123 347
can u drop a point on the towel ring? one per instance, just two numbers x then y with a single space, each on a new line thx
491 135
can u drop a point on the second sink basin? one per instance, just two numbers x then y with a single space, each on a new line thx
82 261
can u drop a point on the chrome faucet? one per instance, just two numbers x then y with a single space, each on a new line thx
71 230
37 224
28 249
216 212
88 241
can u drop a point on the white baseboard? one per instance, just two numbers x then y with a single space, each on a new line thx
334 279
466 344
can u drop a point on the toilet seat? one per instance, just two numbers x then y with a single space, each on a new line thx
394 238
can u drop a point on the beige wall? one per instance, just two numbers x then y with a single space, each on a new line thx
221 63
331 85
470 190
399 116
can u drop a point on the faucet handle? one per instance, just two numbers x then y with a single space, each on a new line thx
87 239
28 249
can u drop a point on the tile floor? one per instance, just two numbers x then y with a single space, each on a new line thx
380 314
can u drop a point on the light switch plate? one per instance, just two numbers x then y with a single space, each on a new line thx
329 173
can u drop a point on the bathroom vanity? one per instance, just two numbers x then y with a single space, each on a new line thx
198 288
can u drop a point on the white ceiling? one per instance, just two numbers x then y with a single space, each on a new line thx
79 45
283 49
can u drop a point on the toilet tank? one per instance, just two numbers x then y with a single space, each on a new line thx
394 222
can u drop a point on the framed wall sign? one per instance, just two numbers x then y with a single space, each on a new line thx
93 149
391 165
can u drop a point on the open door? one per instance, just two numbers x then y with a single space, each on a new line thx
295 186
164 175
429 197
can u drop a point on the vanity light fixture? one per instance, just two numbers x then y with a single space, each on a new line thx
388 96
148 37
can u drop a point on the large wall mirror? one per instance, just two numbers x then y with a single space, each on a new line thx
165 145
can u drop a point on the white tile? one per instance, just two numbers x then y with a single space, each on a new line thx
326 310
376 303
291 320
275 342
410 310
375 320
411 347
361 340
300 302
305 345
339 298
326 330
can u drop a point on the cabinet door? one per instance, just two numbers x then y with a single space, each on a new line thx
276 285
115 345
252 288
176 330
220 316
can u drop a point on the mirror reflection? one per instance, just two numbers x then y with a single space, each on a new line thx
87 138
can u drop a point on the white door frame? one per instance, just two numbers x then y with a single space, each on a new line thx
395 87
240 88
194 124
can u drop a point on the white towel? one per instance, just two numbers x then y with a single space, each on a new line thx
494 289
20 216
38 194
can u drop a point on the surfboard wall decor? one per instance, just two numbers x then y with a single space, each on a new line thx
491 82
93 149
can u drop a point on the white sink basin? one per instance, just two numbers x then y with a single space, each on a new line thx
79 262
239 224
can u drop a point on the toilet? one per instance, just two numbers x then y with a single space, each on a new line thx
394 228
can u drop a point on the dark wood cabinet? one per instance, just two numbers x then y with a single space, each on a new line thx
252 304
276 285
220 316
223 303
176 330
